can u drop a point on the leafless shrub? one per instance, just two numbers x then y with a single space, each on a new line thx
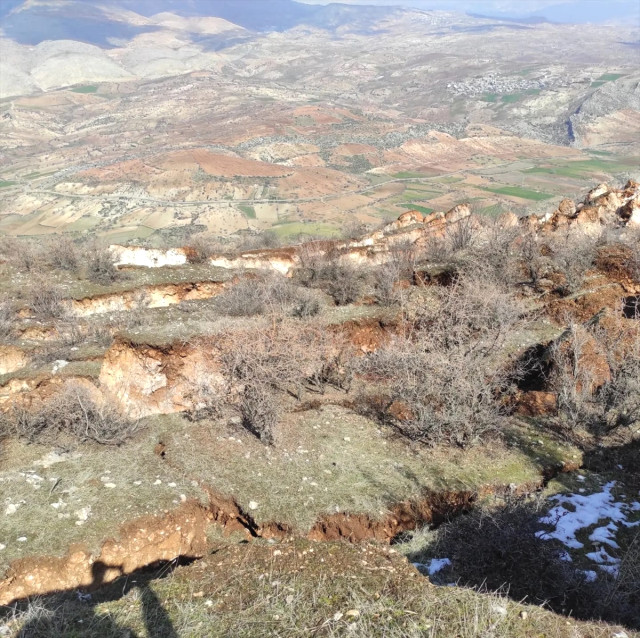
266 294
497 249
72 411
596 374
266 239
461 235
573 254
388 277
287 357
44 299
63 254
448 375
100 266
200 248
7 319
260 410
321 267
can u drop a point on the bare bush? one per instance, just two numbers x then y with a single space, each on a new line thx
286 357
260 410
266 294
7 319
72 411
100 266
573 254
63 254
449 375
596 375
499 549
201 248
44 299
321 268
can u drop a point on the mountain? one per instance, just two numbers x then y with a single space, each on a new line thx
102 24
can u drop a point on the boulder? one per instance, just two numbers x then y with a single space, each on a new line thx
457 213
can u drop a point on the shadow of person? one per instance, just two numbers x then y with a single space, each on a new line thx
155 618
74 613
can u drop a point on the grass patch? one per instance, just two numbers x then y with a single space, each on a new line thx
489 97
609 77
511 98
583 168
299 588
518 191
332 460
6 183
289 230
423 209
407 175
249 211
85 88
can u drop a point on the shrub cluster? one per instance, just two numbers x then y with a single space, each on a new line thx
73 412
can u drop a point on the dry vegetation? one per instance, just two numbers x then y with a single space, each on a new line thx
453 370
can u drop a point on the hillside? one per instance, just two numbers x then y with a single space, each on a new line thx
253 411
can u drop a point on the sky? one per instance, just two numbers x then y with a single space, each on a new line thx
598 9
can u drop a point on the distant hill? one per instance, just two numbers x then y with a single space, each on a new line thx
102 24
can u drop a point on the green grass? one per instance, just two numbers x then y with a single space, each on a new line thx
86 88
288 230
407 175
489 97
422 209
511 98
583 168
597 84
518 191
610 77
249 211
6 183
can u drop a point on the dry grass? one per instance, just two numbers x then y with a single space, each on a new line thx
297 589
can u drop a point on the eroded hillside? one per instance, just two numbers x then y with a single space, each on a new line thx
165 405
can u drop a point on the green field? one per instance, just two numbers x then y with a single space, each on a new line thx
510 98
580 169
86 88
6 184
517 191
609 77
407 175
249 211
489 97
423 209
288 230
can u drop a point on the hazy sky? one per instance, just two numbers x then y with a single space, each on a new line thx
509 7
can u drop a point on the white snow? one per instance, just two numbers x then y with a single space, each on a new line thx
433 566
589 510
574 512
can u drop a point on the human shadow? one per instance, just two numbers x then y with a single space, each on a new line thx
74 613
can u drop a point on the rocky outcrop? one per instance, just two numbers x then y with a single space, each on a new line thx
12 358
144 379
147 257
159 296
603 206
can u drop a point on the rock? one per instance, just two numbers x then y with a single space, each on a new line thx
508 220
253 505
410 217
596 192
566 208
457 213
